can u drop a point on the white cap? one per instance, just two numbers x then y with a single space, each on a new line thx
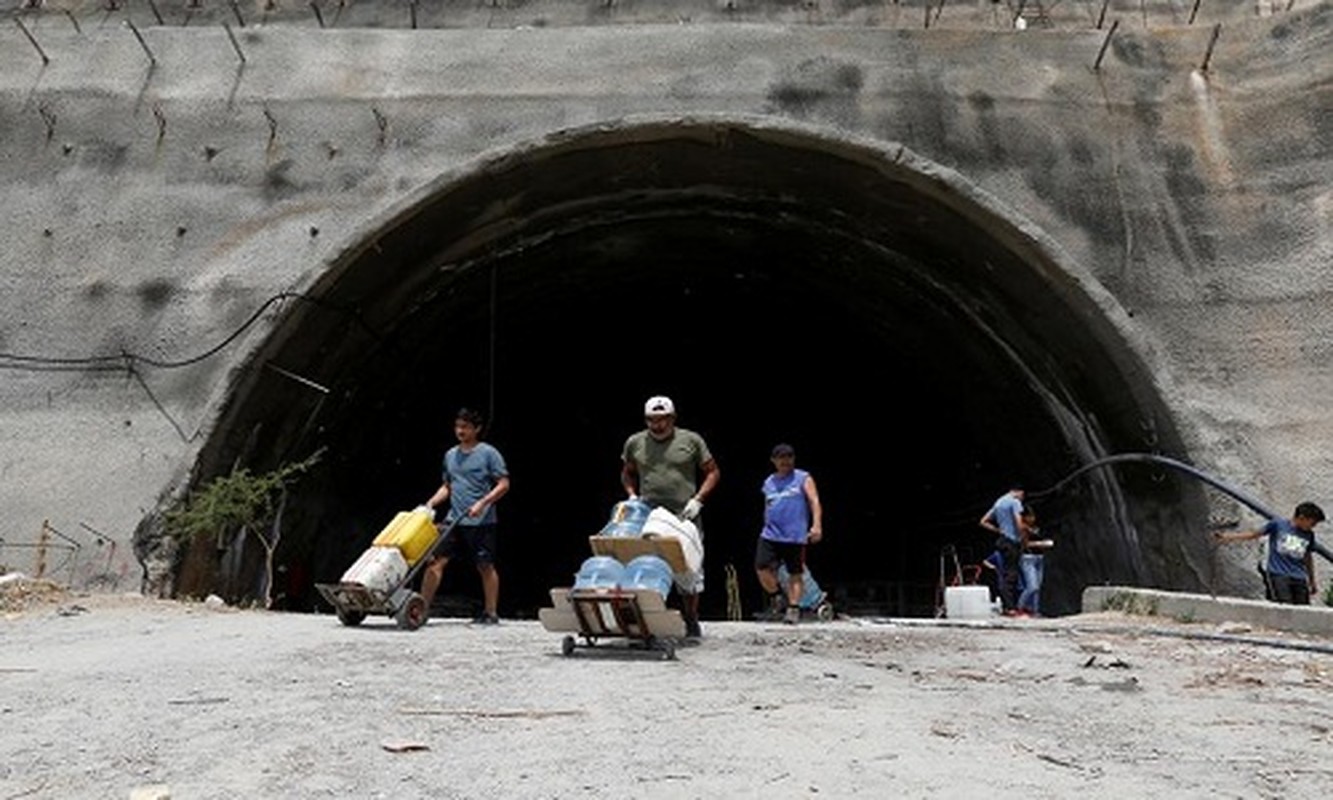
658 406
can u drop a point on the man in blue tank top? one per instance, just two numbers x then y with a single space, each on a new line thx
793 516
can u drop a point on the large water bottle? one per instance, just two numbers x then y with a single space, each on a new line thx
599 572
648 572
627 518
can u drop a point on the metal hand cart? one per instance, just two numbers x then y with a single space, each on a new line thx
353 602
639 615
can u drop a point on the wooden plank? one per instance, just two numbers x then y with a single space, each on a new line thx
560 599
658 620
626 548
665 623
558 620
648 599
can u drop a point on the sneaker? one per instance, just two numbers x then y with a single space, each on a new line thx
773 613
486 619
692 629
792 616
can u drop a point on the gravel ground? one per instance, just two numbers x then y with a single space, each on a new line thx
115 696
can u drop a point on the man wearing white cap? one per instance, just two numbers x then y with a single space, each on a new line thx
661 465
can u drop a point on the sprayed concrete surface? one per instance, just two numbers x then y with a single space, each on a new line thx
159 195
107 695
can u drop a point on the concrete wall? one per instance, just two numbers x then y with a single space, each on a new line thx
156 196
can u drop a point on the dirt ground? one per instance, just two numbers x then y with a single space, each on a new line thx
118 696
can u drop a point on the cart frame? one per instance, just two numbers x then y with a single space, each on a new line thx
638 615
353 602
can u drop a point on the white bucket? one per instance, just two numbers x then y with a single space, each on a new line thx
379 568
967 602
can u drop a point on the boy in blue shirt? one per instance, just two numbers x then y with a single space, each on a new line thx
1290 563
475 478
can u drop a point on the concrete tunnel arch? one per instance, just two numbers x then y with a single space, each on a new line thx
920 344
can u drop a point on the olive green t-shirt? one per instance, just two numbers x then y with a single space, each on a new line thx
668 470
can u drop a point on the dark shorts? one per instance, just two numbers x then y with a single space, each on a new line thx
477 542
768 554
1290 590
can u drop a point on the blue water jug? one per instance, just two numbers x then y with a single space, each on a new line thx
599 572
811 594
648 572
627 518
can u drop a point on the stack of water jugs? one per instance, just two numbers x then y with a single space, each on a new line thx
401 544
643 572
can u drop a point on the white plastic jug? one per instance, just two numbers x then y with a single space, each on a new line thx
967 602
379 568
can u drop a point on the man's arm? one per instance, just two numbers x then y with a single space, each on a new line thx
629 478
987 521
816 510
1019 527
441 494
1309 571
497 491
1236 536
711 476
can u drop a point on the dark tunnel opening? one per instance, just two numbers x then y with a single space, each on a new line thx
918 350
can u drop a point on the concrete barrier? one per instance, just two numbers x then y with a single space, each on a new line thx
1184 607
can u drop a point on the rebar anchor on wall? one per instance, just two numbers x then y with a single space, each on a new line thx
152 59
48 119
235 45
1097 65
32 39
1212 42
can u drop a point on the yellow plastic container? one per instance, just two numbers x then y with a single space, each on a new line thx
412 532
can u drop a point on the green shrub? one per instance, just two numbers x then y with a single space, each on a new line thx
240 501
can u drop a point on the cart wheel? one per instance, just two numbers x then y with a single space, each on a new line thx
824 612
350 617
567 646
413 613
668 650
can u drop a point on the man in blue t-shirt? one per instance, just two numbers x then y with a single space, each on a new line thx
1290 567
475 477
792 517
1004 518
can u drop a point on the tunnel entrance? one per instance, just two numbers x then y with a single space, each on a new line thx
919 347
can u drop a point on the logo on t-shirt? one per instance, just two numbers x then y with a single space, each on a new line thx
1289 545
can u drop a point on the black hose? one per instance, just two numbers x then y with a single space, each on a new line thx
1151 458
